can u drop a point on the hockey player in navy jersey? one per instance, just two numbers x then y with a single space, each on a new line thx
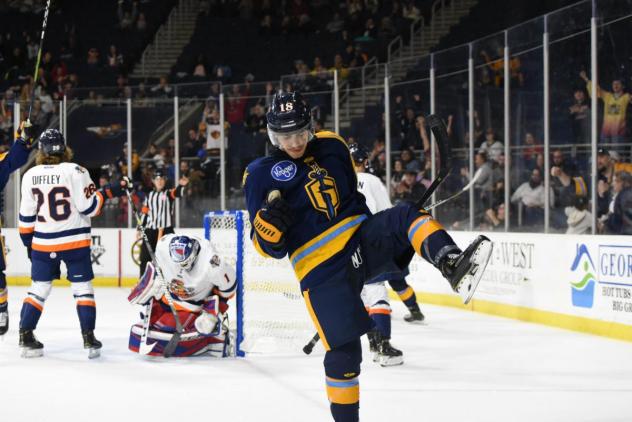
304 203
58 199
9 162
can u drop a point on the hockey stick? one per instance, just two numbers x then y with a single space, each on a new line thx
37 61
307 349
451 197
445 155
175 338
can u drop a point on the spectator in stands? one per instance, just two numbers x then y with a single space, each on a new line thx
615 108
495 217
409 161
608 165
387 29
580 116
410 11
114 58
409 189
266 27
141 23
484 183
406 121
336 24
163 89
531 150
491 147
236 105
567 189
579 219
397 173
620 220
127 18
93 57
531 195
369 33
416 137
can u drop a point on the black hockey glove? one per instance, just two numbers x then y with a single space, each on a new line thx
273 221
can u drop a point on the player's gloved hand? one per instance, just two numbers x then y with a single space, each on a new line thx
274 220
126 184
26 133
206 323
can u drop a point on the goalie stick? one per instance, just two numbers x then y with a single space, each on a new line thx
175 338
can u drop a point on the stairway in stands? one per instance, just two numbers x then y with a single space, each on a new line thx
401 57
160 56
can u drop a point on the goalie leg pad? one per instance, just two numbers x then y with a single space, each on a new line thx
191 343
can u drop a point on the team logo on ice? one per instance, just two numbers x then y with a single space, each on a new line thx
283 171
583 291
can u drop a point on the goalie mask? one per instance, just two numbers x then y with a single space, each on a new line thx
184 250
288 115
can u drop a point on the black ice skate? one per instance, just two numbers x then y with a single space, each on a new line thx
4 322
464 270
31 348
373 341
415 316
91 344
387 355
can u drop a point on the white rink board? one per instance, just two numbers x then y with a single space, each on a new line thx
536 271
527 270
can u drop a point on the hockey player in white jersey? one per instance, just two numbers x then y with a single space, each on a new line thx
58 200
374 295
199 283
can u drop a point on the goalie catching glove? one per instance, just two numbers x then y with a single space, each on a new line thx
207 322
150 285
273 220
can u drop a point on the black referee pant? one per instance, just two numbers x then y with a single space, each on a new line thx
153 235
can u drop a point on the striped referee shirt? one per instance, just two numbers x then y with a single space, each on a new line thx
158 208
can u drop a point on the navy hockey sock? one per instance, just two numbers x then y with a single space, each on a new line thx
4 299
345 412
408 296
342 367
31 311
382 319
87 312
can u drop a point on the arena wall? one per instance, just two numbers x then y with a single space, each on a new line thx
582 283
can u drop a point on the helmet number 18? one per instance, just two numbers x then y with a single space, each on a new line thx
286 107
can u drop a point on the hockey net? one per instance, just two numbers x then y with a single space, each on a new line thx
270 315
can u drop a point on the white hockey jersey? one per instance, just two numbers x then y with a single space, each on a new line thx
374 191
209 275
56 205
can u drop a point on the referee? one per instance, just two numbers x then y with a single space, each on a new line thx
157 213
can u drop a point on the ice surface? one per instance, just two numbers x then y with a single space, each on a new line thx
460 367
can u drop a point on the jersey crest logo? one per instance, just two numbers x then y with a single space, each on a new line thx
322 190
283 171
177 288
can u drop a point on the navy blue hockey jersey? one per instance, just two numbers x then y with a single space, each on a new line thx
321 190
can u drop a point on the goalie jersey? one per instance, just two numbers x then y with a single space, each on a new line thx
209 276
56 206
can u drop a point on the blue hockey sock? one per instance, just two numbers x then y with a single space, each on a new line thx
87 312
382 321
32 308
345 412
4 299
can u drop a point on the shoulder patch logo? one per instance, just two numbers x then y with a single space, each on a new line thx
80 169
283 171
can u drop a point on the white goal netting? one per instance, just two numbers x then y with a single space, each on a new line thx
269 311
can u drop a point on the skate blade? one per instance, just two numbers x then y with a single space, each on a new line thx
469 282
31 353
386 361
94 353
416 322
